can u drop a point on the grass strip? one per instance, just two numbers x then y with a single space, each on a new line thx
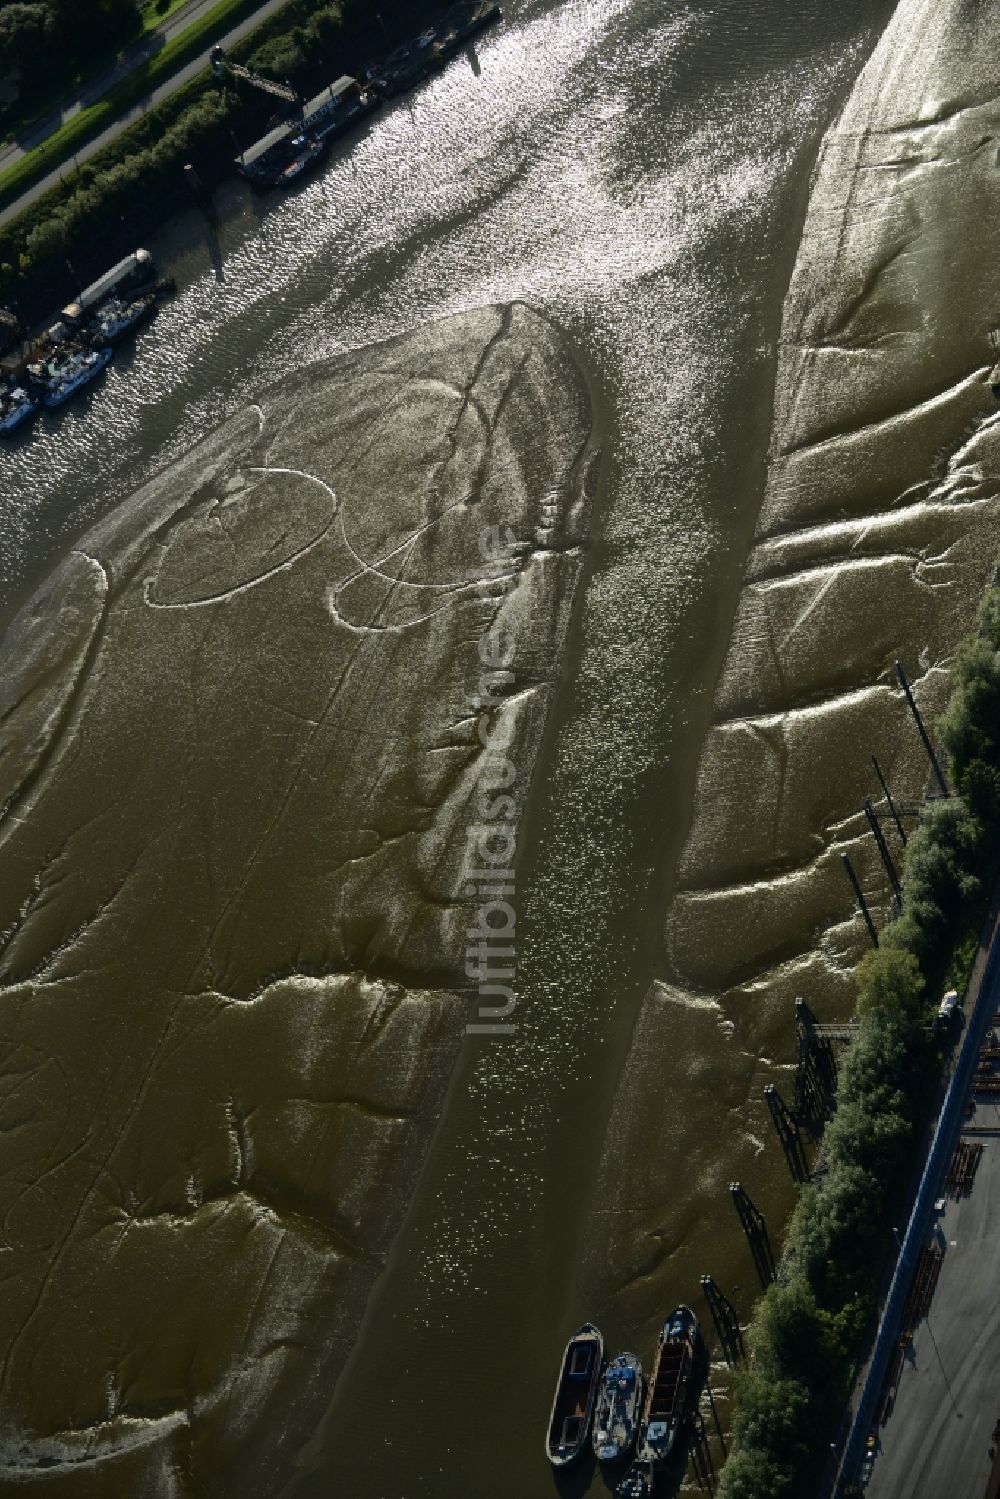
46 99
153 16
59 148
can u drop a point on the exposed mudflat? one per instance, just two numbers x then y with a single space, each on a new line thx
879 531
241 765
639 172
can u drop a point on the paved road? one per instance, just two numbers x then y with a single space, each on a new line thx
977 1275
192 69
937 1441
98 85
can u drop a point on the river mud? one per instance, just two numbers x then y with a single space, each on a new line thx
638 173
878 533
245 763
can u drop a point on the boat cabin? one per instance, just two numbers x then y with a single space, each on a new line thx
130 274
262 161
333 108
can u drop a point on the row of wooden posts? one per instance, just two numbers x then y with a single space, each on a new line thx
896 813
816 1072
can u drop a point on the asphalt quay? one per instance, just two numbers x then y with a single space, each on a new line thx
939 1424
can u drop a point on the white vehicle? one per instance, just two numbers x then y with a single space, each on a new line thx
948 1004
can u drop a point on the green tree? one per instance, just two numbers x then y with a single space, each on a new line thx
84 30
26 35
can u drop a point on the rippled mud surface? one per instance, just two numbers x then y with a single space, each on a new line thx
879 531
240 768
637 173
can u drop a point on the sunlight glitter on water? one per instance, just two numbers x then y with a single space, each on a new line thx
616 168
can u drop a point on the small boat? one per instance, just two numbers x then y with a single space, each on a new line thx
576 1390
16 408
307 154
637 1483
668 1401
65 379
616 1414
117 318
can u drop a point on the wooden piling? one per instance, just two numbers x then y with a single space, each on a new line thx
890 803
932 757
860 898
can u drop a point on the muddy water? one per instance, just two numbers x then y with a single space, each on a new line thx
639 171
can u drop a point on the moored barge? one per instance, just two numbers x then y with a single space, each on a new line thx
576 1391
669 1397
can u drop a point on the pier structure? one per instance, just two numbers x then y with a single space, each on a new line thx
726 1320
893 810
755 1229
883 850
701 1456
816 1073
924 736
789 1135
715 1417
859 896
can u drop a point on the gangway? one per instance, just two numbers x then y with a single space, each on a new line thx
223 65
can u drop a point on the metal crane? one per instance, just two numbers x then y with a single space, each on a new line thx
221 65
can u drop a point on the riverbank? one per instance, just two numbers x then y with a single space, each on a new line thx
523 183
807 1332
136 183
882 502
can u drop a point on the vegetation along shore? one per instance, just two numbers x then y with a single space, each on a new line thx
121 193
809 1329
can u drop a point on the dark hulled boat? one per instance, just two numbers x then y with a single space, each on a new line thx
573 1406
119 317
669 1396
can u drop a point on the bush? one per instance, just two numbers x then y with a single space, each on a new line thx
943 874
47 241
771 1438
10 330
60 38
969 728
